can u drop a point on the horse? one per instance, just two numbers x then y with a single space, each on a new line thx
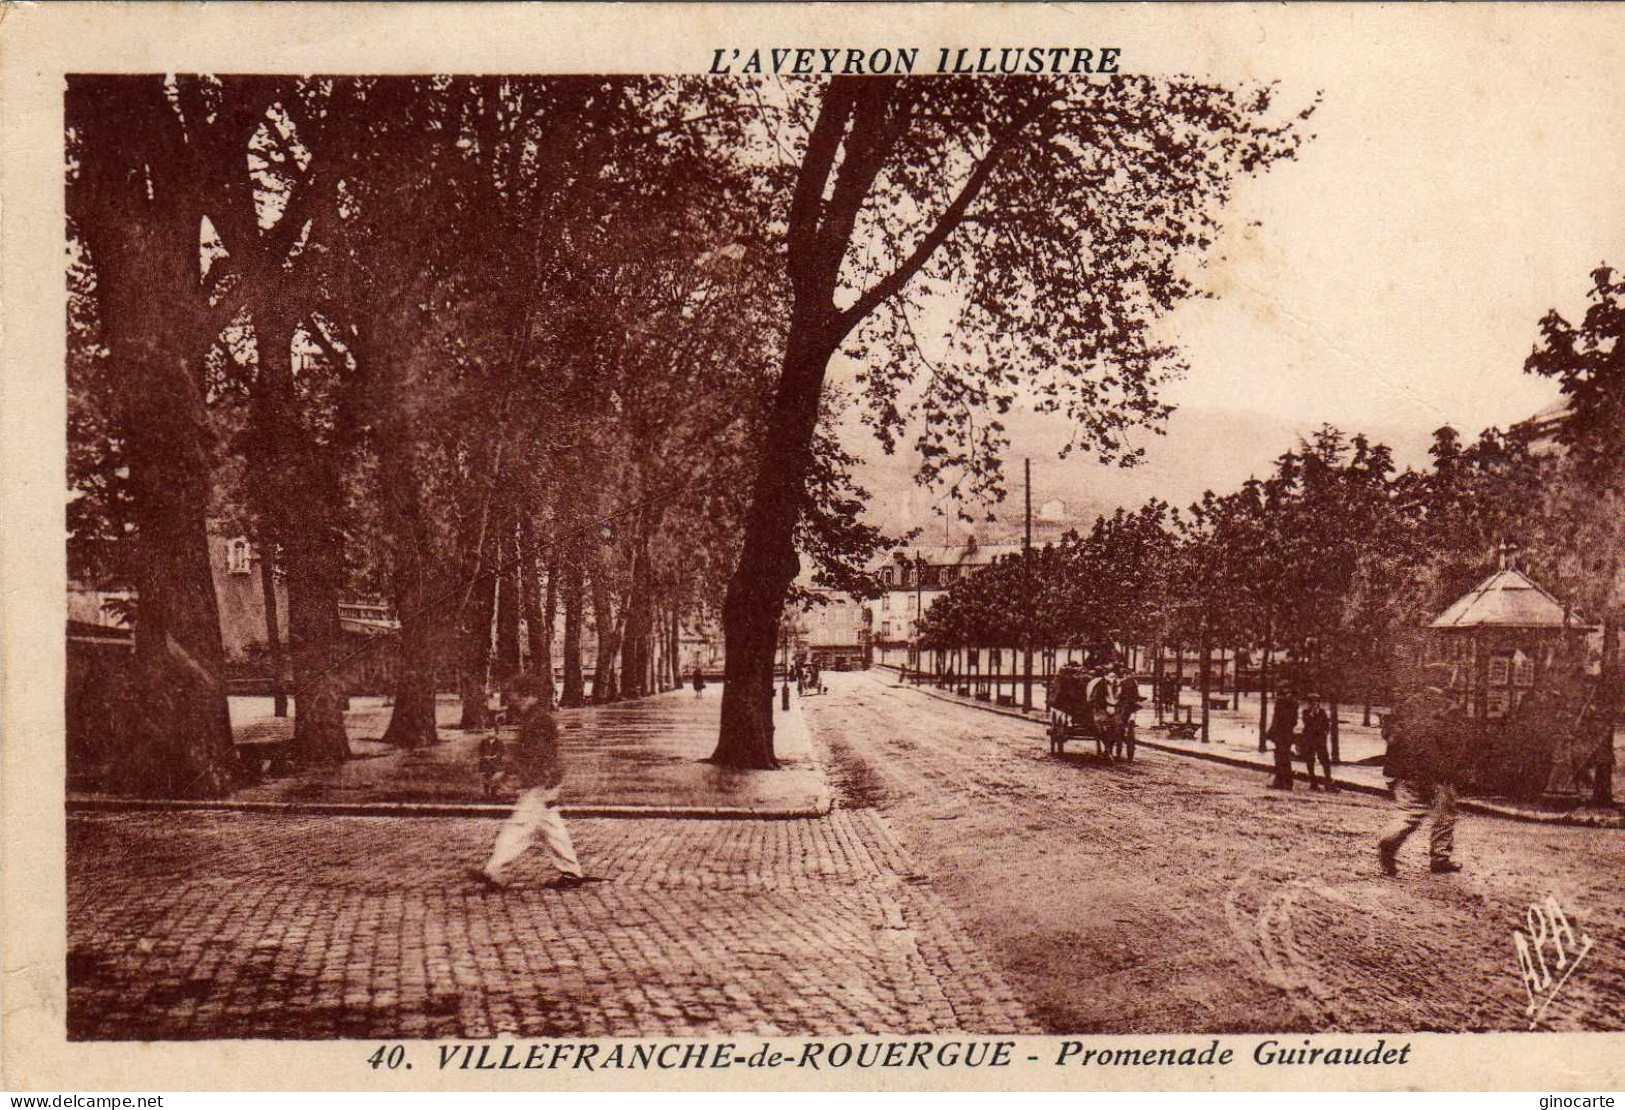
1115 738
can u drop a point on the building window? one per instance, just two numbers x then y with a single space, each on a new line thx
1500 666
886 577
1523 671
238 556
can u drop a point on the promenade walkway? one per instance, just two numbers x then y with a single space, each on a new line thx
1233 739
642 755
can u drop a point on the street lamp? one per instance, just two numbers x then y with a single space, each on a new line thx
784 694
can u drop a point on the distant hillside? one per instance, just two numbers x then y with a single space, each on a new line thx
1204 449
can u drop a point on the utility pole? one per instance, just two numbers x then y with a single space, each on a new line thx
1027 559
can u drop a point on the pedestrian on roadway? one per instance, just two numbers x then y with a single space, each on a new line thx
1426 735
1280 733
541 777
1317 727
699 681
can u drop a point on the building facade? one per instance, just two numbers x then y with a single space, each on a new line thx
911 581
836 634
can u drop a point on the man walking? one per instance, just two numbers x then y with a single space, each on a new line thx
536 812
1424 761
1282 727
1317 726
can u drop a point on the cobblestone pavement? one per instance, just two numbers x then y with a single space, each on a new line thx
1174 895
241 926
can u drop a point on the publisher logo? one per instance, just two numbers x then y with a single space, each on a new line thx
1548 953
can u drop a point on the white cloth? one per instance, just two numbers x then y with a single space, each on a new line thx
535 812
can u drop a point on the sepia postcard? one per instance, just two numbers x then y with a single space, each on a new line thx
820 547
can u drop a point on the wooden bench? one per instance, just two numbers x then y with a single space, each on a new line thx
1217 702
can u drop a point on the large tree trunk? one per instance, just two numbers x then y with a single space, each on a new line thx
767 563
639 639
316 577
304 488
475 635
550 616
185 745
134 201
318 692
273 627
184 748
412 724
574 692
538 627
508 602
603 619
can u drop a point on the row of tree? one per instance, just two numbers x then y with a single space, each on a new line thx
565 341
1337 559
490 348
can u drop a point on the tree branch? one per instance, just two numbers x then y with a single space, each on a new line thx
952 217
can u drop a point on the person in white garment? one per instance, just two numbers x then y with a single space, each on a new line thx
540 774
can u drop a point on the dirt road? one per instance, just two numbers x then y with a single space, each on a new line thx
1173 895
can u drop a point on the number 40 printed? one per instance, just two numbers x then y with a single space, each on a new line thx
1548 932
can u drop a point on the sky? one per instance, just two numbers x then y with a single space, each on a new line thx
1401 263
1464 177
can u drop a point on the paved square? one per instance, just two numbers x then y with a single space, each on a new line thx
242 926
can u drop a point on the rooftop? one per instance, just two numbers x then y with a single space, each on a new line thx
1509 598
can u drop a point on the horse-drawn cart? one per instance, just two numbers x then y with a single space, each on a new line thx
1073 717
1113 738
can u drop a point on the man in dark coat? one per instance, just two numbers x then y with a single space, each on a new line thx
1128 698
1068 688
1426 735
1317 727
1282 727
